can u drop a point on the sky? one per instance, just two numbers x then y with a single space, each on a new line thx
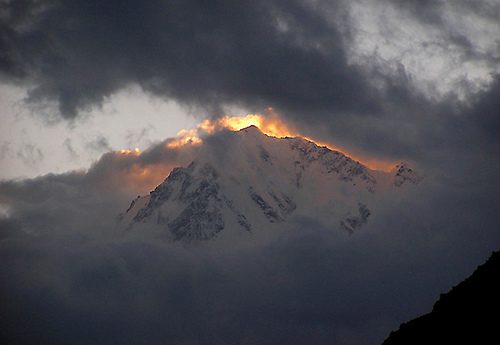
391 80
33 146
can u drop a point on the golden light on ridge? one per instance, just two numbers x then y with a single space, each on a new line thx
144 176
134 152
186 137
271 125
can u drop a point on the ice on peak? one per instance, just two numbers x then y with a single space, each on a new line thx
262 181
251 128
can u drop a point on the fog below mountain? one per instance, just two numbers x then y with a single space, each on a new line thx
71 274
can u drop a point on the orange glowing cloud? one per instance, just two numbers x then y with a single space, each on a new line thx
186 137
140 178
135 152
271 125
124 169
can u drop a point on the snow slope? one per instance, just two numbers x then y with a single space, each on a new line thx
250 181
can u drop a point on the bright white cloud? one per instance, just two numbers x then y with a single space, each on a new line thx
130 119
457 54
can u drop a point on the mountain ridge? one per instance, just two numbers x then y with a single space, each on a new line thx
251 181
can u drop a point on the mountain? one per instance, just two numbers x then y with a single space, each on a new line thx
245 181
468 314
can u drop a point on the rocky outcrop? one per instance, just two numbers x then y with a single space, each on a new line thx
468 314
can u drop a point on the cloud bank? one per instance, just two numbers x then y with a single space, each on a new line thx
70 276
390 78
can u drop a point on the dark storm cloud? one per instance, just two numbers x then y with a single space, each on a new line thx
72 275
486 109
283 53
70 279
291 55
409 124
436 135
83 201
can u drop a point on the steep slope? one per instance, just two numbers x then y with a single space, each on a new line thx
245 181
468 314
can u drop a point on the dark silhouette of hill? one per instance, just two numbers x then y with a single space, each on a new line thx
468 314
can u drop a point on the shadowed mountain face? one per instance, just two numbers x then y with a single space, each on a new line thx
250 181
468 314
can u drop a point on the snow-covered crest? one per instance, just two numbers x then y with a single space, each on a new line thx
246 181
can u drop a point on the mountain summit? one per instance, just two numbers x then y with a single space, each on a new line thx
246 181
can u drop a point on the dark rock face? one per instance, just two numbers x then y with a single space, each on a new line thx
404 174
201 200
267 209
468 314
332 162
243 221
285 203
201 217
264 155
354 222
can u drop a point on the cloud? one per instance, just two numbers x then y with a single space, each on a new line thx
73 276
485 110
284 53
134 137
30 154
290 55
308 284
5 149
69 148
99 144
384 79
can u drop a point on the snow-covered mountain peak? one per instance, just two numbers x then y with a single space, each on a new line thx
248 182
250 129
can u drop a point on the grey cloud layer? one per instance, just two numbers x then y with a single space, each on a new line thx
68 278
72 276
291 55
79 53
71 280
